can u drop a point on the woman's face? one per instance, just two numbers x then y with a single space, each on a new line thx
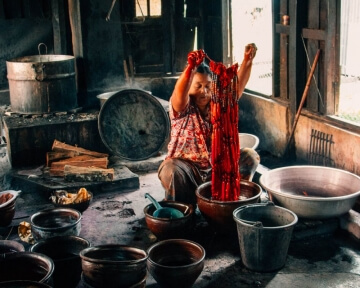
200 89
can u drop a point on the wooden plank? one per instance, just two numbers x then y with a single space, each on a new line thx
26 9
314 34
282 29
60 146
2 10
57 168
312 45
297 64
276 63
284 72
331 73
167 9
82 161
56 156
88 174
226 55
59 28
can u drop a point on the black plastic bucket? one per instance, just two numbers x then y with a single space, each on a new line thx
264 233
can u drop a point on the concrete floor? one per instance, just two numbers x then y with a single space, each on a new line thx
321 254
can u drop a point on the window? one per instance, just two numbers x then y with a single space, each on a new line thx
148 8
349 99
252 23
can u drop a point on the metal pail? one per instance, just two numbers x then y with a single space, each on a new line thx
42 83
264 233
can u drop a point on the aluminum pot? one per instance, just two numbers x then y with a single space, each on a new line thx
313 192
42 83
103 97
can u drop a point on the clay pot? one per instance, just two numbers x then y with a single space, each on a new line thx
176 263
27 266
7 214
219 214
64 251
166 228
55 222
113 265
8 247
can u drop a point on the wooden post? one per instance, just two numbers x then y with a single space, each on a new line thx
303 98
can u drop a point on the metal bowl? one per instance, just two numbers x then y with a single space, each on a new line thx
55 222
312 192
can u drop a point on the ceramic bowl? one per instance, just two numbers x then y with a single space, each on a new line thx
26 266
111 264
10 246
64 251
166 228
219 214
81 207
23 284
7 212
176 263
55 222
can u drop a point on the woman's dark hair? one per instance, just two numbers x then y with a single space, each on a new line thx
203 68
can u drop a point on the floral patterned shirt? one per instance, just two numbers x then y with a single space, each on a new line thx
190 136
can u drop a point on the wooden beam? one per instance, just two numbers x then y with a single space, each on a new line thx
314 34
331 73
297 64
282 29
225 34
59 28
75 23
311 36
276 64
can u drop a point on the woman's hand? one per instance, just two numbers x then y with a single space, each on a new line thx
195 58
250 51
245 68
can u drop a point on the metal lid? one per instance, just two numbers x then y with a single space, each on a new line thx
133 124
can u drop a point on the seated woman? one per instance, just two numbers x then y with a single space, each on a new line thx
188 162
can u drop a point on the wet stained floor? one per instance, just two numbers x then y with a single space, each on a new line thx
324 257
